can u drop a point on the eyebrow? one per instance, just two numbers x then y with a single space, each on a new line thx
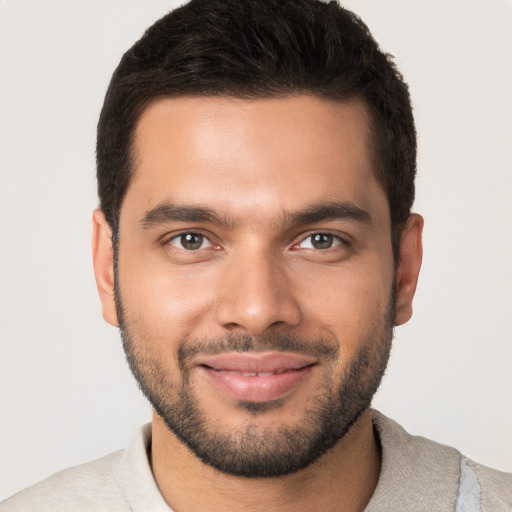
170 212
342 210
167 211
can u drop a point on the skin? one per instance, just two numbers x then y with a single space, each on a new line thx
255 163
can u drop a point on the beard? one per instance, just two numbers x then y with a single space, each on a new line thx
251 450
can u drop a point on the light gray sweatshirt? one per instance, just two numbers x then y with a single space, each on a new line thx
417 475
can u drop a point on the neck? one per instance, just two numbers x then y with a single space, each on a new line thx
343 478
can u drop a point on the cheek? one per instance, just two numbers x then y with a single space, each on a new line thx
350 303
162 298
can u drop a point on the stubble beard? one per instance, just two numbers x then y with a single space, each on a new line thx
254 451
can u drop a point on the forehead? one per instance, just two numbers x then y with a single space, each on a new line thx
257 157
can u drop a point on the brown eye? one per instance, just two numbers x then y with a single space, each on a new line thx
320 241
190 241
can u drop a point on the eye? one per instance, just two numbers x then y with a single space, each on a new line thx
190 241
320 241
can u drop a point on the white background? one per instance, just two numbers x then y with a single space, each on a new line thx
66 394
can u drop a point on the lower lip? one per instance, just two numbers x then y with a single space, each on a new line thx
256 389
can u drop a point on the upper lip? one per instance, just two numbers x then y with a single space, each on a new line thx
256 361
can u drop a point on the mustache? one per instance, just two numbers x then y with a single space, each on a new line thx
321 348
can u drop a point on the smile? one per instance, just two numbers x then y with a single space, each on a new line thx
256 377
257 374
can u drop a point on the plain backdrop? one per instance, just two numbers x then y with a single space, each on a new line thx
66 394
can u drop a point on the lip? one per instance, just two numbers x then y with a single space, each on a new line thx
256 377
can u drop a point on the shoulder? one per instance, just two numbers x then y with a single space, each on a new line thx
492 488
428 473
88 487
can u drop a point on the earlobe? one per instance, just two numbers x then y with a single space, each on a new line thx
410 256
103 260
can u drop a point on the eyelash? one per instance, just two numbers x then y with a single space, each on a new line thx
333 238
188 233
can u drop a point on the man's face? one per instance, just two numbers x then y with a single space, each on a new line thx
255 275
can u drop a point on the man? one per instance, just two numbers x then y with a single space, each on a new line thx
256 247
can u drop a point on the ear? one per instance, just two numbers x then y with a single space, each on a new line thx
410 256
103 260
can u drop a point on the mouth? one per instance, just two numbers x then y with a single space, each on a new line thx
256 377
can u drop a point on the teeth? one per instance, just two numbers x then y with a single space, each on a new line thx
256 374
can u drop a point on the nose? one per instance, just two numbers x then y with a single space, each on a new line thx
256 294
